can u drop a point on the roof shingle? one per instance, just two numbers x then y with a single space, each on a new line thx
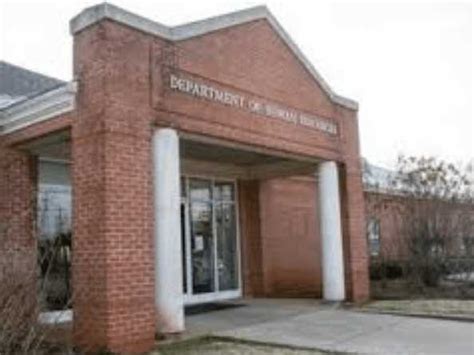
18 84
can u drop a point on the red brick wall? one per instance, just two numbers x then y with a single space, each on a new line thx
290 238
111 151
18 243
122 97
250 236
395 214
251 59
353 211
388 211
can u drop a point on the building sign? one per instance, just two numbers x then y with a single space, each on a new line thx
224 97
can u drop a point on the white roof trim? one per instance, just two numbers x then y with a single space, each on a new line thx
39 108
99 12
55 317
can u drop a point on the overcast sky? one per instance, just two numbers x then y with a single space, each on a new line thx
408 64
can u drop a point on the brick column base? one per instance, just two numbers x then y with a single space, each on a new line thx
112 243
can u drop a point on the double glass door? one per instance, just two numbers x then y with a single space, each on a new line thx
210 240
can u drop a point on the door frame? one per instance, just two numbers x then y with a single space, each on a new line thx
189 298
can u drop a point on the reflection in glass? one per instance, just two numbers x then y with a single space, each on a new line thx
212 251
200 189
224 191
226 246
202 247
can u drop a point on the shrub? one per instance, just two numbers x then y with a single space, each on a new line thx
386 270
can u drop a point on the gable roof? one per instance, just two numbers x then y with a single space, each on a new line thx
18 84
377 178
96 13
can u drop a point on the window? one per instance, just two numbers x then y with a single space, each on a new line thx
468 246
437 248
373 235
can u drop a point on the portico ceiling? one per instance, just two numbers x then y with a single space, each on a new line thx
52 146
202 151
202 158
197 158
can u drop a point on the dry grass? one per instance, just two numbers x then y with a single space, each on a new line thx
403 289
439 307
216 346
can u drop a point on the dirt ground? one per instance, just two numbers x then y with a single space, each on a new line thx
403 290
211 346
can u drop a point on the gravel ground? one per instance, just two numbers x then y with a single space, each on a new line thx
228 347
461 308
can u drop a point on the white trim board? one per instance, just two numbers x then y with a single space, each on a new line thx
94 14
39 108
55 317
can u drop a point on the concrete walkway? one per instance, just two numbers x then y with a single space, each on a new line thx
308 324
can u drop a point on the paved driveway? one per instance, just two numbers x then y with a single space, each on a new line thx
332 329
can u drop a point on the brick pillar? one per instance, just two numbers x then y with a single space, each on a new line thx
353 211
18 243
112 260
355 248
112 267
251 239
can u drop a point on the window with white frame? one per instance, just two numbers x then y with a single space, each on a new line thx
54 198
373 235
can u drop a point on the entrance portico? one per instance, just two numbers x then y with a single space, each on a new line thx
208 161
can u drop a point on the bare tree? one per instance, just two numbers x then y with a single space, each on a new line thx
430 203
25 272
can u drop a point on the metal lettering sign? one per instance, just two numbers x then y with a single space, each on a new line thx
224 97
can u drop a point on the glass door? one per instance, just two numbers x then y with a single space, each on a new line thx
202 236
210 241
226 236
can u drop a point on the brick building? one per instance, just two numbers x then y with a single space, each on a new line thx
395 212
207 161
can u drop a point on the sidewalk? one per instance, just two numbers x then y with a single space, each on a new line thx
307 324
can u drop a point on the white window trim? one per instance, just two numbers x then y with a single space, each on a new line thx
39 108
373 221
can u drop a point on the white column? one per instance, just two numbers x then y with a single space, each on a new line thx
167 233
331 234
